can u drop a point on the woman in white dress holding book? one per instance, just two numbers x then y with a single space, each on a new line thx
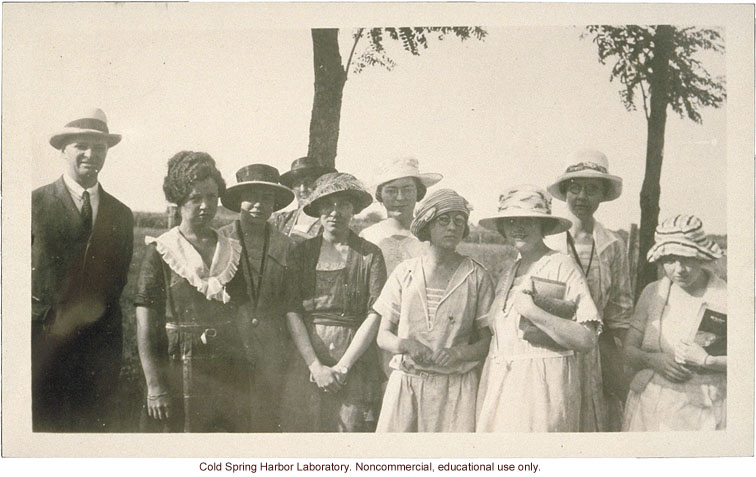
681 379
530 380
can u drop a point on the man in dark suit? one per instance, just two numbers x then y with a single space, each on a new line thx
82 240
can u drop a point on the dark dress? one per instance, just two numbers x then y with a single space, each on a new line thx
333 304
207 377
262 326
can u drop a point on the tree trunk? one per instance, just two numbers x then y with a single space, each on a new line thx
651 190
329 87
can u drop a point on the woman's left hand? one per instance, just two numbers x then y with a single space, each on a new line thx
523 303
445 357
690 353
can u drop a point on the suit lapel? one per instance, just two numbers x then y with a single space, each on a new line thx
68 211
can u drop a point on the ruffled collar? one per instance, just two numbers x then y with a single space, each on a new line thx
187 263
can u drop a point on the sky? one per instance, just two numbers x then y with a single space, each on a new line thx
487 115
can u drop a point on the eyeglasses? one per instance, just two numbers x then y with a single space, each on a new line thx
445 220
590 189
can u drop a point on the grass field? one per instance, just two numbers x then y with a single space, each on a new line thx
132 388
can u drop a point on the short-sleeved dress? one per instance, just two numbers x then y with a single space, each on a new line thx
333 304
666 315
426 397
397 245
201 352
526 387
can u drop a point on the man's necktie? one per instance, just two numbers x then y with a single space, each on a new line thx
86 213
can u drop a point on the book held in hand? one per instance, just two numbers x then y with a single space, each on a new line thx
711 333
548 295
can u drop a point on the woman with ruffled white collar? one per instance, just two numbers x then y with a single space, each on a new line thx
186 299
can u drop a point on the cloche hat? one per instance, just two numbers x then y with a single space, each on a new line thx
439 202
683 235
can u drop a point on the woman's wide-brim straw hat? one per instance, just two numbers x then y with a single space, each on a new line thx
405 167
257 176
527 201
587 164
683 235
338 183
439 202
308 166
92 124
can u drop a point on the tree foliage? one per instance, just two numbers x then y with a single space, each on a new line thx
690 86
413 40
660 61
331 75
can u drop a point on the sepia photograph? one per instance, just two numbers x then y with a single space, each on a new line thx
286 230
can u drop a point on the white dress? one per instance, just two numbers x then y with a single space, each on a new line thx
655 403
525 387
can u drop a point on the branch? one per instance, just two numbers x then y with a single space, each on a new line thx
351 53
645 106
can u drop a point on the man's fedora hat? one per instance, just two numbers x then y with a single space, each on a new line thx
304 166
92 124
257 176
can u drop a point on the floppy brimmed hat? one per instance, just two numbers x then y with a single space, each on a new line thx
527 201
257 176
439 202
401 168
588 164
93 123
338 183
304 166
683 235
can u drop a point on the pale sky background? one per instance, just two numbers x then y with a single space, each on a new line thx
486 115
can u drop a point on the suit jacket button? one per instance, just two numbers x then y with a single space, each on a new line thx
255 322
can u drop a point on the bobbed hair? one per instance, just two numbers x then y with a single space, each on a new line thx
184 170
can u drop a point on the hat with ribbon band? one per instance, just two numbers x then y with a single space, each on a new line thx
92 124
587 164
257 176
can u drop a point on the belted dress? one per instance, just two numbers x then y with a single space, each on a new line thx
333 304
200 350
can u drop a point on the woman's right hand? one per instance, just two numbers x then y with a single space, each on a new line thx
419 353
326 378
666 365
159 405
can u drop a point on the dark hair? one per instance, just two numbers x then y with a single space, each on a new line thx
186 168
423 234
604 182
421 190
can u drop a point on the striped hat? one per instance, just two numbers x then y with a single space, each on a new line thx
683 235
437 203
